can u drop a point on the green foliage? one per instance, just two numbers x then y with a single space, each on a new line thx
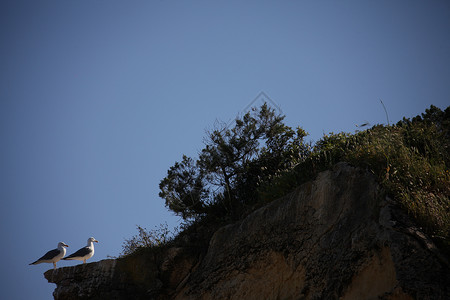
410 164
184 188
223 181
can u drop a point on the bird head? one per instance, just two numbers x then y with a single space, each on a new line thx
62 244
91 239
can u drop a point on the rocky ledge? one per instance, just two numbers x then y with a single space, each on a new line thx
337 237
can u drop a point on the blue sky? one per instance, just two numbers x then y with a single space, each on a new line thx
99 98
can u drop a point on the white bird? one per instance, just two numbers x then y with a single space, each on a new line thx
84 253
53 256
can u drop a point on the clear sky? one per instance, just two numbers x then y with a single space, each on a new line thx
99 98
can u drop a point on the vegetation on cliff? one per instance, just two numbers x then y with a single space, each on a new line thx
261 159
410 159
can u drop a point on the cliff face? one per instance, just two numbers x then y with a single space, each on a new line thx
337 237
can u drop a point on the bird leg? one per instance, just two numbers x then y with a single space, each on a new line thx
84 261
54 266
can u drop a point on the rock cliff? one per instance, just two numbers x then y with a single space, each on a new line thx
337 237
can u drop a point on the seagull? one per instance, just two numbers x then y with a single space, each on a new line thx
84 253
53 256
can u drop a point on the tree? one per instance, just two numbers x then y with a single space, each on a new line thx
234 162
184 188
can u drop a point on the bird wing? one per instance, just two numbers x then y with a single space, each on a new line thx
80 253
50 254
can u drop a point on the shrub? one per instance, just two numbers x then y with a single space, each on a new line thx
157 237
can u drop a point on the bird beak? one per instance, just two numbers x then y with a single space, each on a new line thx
96 241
